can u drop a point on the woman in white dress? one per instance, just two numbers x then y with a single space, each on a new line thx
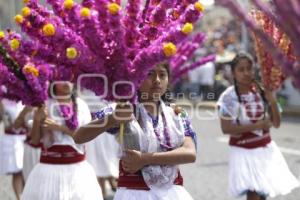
32 152
163 139
12 144
102 152
256 166
63 173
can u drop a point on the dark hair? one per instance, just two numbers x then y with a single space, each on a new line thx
74 100
73 96
233 64
167 96
239 56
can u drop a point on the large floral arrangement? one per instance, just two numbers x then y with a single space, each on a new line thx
272 74
21 77
276 30
101 38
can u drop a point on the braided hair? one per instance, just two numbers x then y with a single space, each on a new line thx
74 100
233 65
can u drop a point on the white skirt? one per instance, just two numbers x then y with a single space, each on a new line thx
11 153
176 192
262 170
31 158
62 182
102 154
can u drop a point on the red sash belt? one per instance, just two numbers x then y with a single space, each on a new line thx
61 154
14 132
27 141
250 140
136 181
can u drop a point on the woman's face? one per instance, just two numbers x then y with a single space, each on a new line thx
243 72
155 85
63 88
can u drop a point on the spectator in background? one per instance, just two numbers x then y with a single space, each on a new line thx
206 78
223 55
232 41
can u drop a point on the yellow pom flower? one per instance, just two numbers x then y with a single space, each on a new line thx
68 4
169 49
14 44
2 34
49 30
85 12
113 8
71 53
187 28
19 19
199 6
26 11
31 69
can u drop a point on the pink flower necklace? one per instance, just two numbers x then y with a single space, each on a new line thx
69 114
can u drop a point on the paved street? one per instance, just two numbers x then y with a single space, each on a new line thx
207 178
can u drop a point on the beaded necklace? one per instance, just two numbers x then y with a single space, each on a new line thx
165 143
